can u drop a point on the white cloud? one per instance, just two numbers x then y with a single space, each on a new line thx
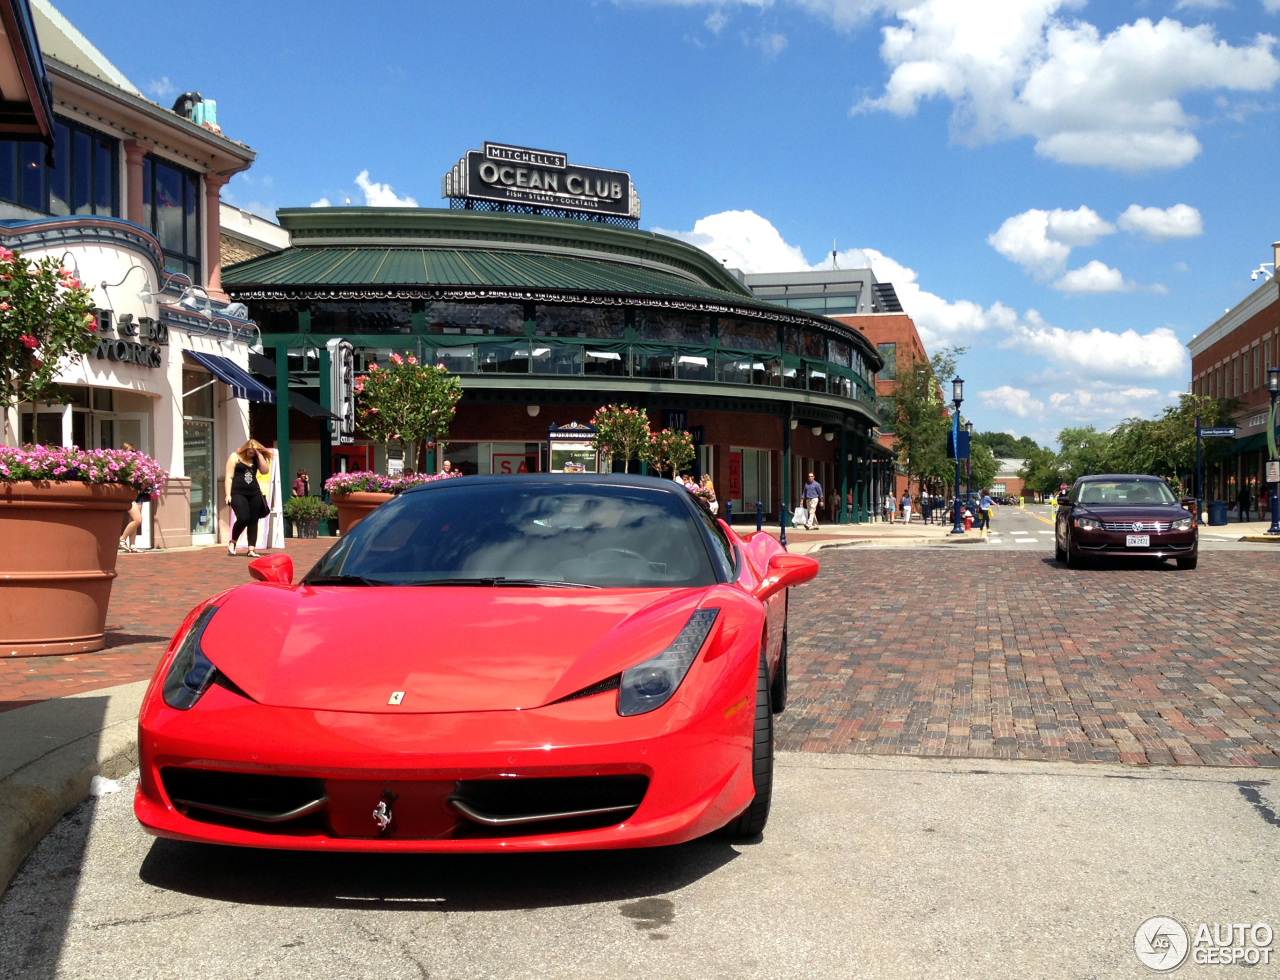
1094 277
160 89
1162 224
1015 68
1101 353
1041 241
1202 5
381 195
1271 6
771 44
716 21
743 240
322 203
1017 401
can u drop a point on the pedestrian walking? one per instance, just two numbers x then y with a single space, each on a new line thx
302 485
905 502
889 507
244 495
812 496
1243 500
926 508
985 506
134 522
711 489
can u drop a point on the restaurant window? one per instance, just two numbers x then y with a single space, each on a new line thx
361 316
673 327
747 335
806 343
889 354
83 179
590 322
171 209
478 319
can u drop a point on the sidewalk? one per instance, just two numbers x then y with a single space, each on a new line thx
875 534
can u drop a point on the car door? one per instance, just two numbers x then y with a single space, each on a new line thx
1063 521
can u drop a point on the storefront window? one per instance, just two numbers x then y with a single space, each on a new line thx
604 362
695 367
651 363
733 370
458 360
199 462
83 180
360 316
503 358
591 322
803 343
840 353
556 359
889 354
817 378
480 319
171 209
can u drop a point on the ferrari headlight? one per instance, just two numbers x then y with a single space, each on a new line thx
1088 524
1182 523
191 672
650 685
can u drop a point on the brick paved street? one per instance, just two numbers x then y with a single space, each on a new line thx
995 654
151 595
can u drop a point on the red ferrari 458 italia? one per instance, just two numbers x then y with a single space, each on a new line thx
483 664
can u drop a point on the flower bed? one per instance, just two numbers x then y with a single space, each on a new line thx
365 482
97 466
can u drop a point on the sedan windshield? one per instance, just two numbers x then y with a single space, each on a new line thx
1125 493
523 534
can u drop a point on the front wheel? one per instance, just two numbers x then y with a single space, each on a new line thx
778 690
750 823
1188 563
1072 560
1059 553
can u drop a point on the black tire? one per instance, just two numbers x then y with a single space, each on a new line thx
1072 560
1189 563
750 823
778 689
1058 552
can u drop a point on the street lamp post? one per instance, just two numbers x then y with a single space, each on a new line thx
1273 386
957 396
968 460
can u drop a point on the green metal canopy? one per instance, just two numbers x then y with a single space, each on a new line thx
405 266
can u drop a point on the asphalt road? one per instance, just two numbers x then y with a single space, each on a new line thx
870 867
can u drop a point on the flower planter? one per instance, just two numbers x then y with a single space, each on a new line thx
306 529
354 507
57 564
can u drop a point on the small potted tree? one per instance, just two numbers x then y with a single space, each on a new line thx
407 403
306 513
622 433
670 450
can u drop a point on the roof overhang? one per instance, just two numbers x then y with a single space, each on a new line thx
26 103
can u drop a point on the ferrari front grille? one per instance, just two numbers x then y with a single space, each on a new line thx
514 802
247 796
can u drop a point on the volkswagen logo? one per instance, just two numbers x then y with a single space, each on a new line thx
1137 525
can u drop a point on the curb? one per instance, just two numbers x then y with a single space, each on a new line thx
1261 538
50 751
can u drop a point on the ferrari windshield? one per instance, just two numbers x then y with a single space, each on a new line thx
524 533
1125 493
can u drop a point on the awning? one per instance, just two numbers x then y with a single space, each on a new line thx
309 407
235 377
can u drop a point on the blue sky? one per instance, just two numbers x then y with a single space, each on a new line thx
1071 190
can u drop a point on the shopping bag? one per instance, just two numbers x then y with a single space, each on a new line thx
801 515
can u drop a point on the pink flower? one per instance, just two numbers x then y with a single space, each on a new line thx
5 306
64 272
413 360
71 282
29 341
397 360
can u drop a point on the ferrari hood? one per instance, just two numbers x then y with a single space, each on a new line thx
441 648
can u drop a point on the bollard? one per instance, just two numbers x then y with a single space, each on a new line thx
782 523
759 516
728 512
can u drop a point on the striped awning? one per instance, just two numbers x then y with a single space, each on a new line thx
242 384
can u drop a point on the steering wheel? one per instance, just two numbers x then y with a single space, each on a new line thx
622 552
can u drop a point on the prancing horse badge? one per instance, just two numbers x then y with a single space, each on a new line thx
396 697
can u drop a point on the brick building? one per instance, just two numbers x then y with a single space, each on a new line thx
1230 360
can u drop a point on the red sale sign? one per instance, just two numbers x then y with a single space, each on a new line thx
735 476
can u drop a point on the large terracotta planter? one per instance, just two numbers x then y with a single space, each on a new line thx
58 546
354 507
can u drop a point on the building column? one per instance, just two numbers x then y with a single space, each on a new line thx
282 419
846 512
134 151
786 470
213 184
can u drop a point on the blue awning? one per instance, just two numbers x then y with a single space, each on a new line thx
243 384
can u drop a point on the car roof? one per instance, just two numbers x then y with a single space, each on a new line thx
554 479
1122 476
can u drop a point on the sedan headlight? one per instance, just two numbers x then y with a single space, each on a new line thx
1182 523
650 685
1088 524
191 672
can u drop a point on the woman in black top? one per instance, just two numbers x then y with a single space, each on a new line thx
244 495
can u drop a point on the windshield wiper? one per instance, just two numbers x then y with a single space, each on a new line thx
501 581
344 580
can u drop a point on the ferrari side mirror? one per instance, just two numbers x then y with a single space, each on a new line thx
276 569
785 571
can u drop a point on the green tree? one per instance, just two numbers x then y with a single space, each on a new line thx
1166 446
622 432
921 421
46 317
670 449
1084 450
982 465
1005 446
1040 472
407 403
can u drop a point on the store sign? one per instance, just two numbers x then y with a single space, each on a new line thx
543 178
342 388
735 475
131 341
570 448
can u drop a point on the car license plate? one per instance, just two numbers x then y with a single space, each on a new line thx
1137 541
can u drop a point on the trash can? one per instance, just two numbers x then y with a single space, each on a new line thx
1217 513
